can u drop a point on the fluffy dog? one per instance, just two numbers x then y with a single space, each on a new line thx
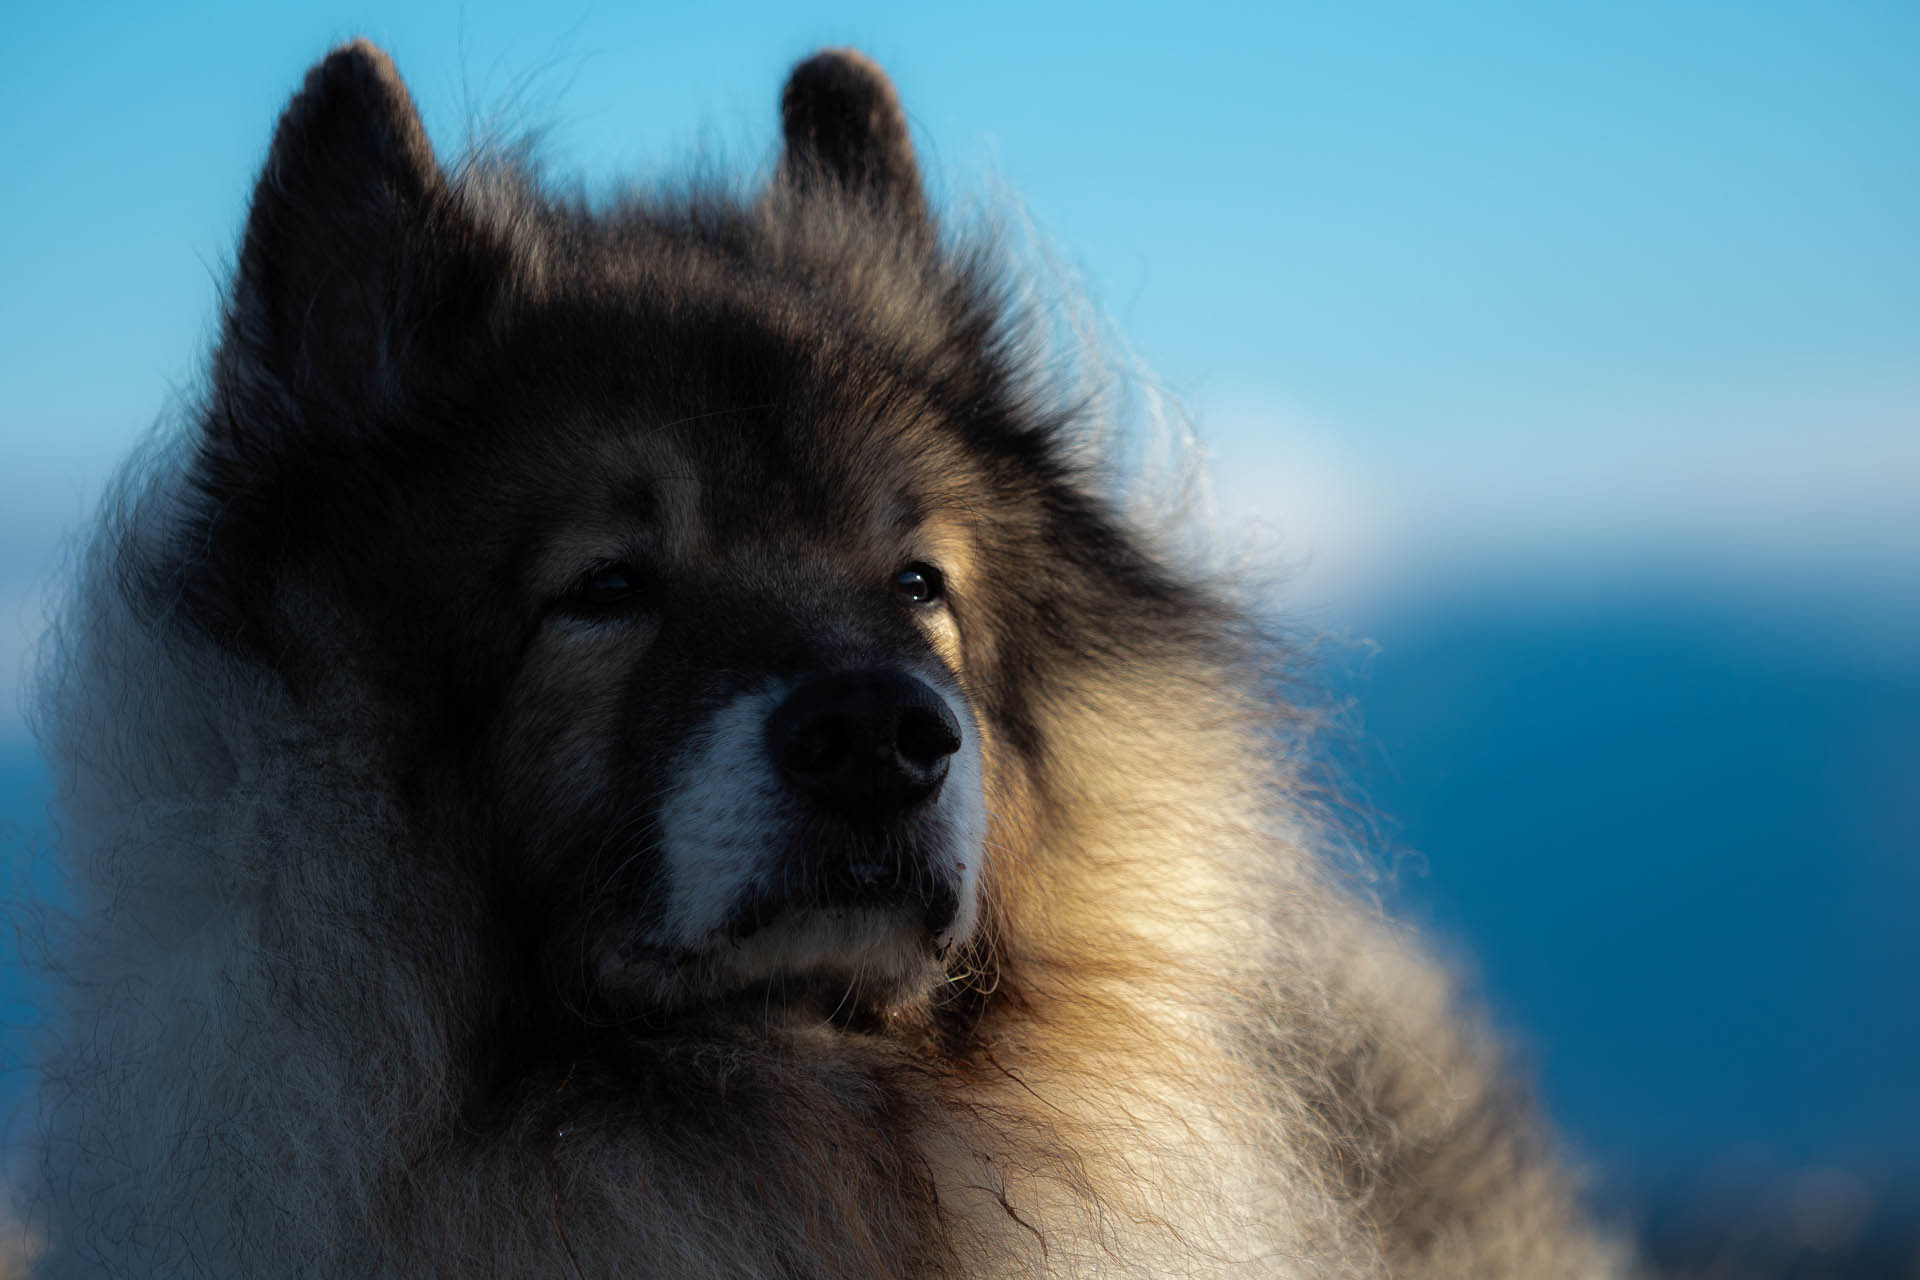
628 741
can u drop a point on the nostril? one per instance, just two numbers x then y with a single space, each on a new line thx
926 735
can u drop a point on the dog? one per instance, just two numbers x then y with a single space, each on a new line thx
634 740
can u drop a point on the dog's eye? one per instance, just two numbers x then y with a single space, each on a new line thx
609 591
920 582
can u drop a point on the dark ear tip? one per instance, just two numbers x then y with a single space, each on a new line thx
355 99
360 67
846 78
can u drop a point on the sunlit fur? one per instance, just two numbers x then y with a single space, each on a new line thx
326 781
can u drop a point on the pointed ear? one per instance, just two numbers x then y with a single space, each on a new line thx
345 200
844 128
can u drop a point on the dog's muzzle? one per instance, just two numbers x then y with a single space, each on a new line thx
833 825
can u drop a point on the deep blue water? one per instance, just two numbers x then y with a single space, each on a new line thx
1677 845
25 874
1685 856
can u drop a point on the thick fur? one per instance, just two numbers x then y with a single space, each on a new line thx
356 791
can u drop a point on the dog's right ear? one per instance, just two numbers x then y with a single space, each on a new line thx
338 223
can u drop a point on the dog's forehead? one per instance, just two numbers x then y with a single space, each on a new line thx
728 406
743 473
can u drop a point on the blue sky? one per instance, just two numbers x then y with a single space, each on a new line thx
1453 291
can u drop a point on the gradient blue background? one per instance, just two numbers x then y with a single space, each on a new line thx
1569 360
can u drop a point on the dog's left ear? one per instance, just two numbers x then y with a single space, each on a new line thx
844 129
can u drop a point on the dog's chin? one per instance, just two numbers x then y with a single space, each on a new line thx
833 960
839 964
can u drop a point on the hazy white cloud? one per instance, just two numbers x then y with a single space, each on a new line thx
21 620
1804 483
44 500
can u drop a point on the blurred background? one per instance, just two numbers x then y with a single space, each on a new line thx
1569 361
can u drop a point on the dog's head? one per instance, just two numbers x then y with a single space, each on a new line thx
699 558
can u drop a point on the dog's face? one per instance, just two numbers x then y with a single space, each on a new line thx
681 548
734 753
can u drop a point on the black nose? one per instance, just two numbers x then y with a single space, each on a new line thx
867 744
